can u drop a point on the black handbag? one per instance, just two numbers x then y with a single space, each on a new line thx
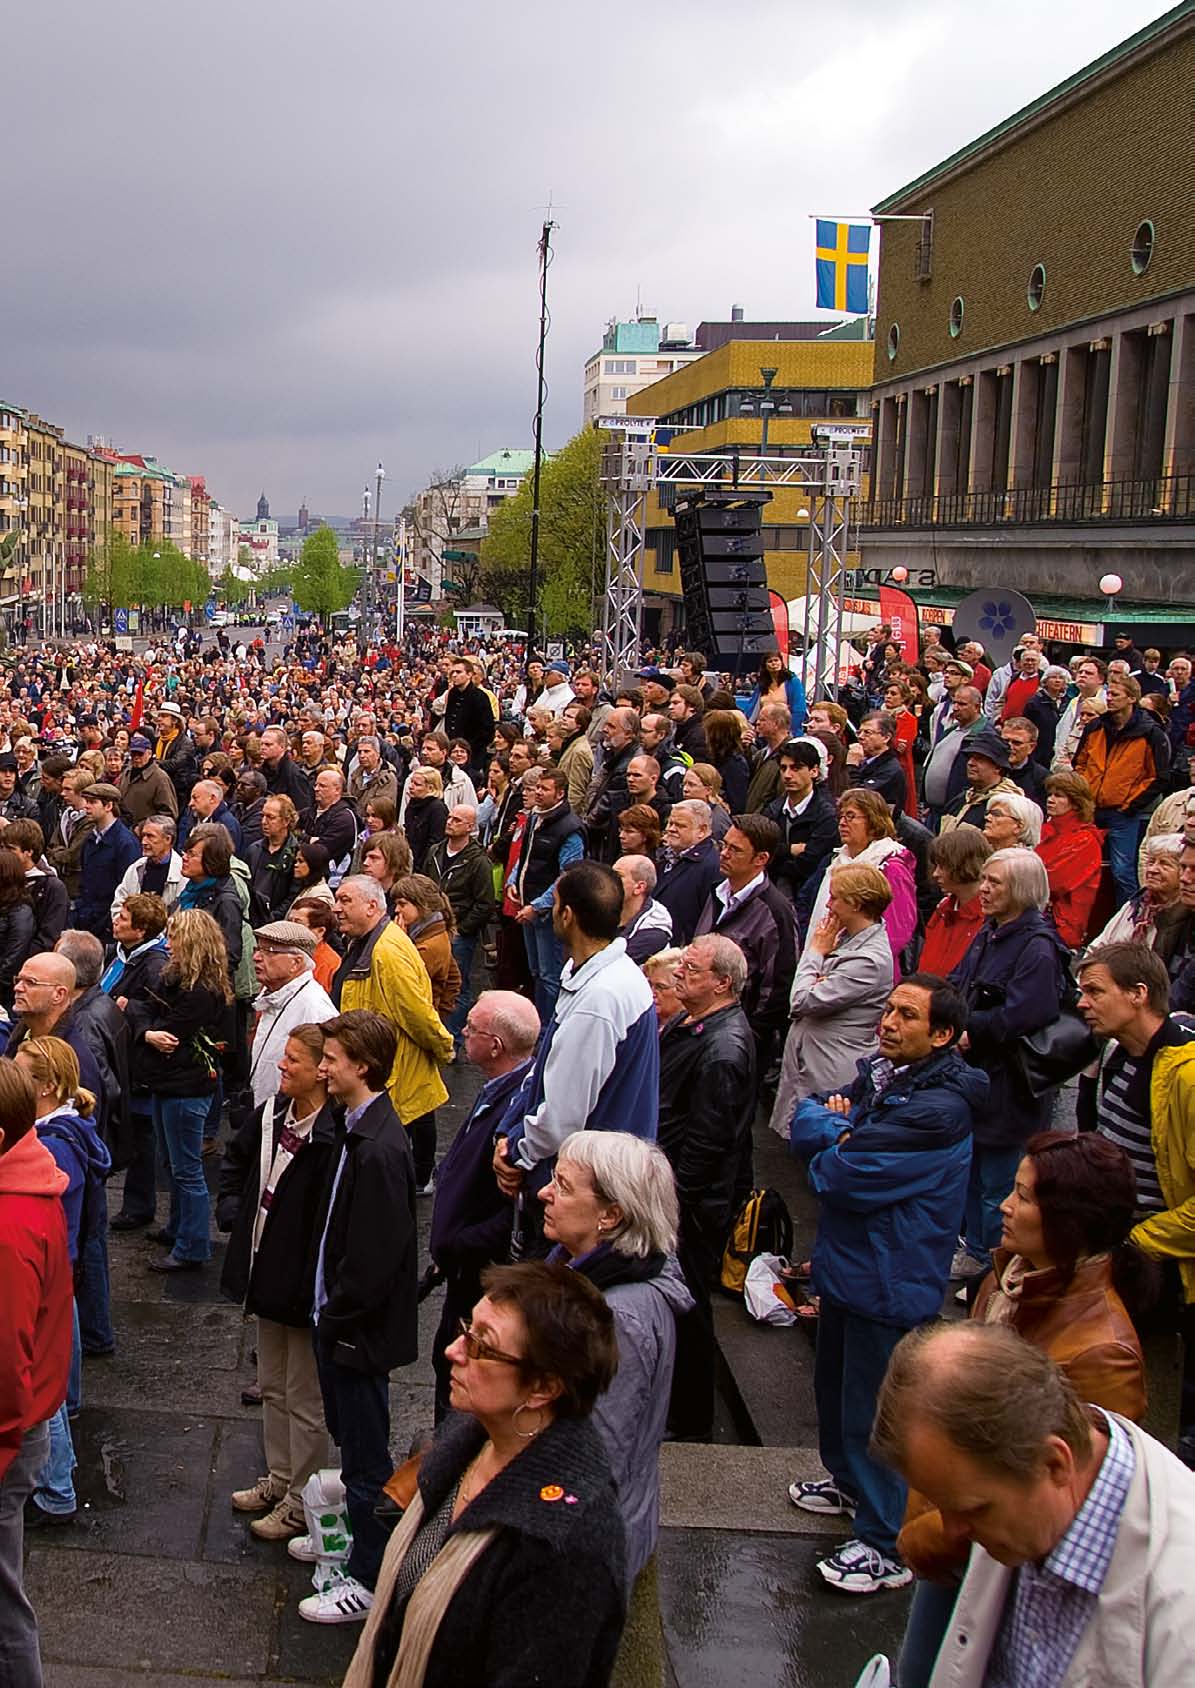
1044 1059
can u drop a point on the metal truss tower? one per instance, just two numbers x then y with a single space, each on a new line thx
829 476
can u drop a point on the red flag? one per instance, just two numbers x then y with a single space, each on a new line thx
899 611
780 621
138 707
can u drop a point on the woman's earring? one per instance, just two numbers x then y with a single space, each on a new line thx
527 1435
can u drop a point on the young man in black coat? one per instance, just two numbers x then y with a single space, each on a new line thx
365 1291
872 762
468 714
806 816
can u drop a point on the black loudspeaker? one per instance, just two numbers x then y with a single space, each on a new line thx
723 580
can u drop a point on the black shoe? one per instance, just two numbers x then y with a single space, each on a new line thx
251 1396
99 1353
162 1238
126 1222
36 1517
171 1264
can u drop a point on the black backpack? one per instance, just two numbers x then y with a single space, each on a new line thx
763 1225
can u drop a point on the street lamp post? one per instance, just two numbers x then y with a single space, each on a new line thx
377 516
365 575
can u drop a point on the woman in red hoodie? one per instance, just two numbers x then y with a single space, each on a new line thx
1072 849
35 1341
957 860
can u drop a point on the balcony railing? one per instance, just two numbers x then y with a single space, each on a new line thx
1168 498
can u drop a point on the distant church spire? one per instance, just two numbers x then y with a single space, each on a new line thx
263 508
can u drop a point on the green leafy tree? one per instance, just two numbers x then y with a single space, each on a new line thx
322 585
571 541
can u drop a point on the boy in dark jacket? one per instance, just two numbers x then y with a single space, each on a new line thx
888 1163
365 1290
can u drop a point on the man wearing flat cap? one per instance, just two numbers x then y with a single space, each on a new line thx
108 852
290 996
145 787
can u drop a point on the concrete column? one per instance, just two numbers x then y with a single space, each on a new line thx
885 449
1124 396
1025 377
1178 450
949 409
1068 426
916 420
983 425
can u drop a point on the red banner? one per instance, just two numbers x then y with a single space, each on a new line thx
138 707
899 611
780 621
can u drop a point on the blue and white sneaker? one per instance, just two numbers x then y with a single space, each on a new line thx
858 1569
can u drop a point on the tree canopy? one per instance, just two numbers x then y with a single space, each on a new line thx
154 576
322 585
572 526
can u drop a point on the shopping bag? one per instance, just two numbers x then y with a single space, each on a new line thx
766 1295
877 1673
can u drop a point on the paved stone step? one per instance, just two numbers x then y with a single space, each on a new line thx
704 1486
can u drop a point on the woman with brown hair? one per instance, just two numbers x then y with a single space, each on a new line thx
177 1036
869 836
387 858
957 860
1072 848
639 831
425 914
724 739
381 815
16 922
320 917
514 1495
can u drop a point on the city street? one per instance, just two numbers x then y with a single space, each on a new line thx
160 1582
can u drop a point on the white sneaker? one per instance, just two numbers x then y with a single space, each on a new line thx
964 1265
858 1569
303 1549
346 1602
823 1496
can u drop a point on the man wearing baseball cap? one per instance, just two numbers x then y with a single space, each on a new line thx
290 995
557 693
145 787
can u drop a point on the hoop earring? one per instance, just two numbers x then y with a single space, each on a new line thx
527 1435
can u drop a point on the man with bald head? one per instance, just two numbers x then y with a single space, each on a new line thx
206 803
646 927
471 1218
465 874
655 739
331 822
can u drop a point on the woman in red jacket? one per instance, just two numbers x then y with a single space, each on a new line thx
1072 850
957 860
898 698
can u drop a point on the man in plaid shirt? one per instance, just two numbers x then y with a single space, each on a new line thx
1083 1527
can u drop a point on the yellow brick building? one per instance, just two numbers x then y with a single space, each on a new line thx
715 403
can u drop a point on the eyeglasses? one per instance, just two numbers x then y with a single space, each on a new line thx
476 1349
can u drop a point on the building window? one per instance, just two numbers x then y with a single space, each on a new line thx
1037 287
618 392
893 342
1142 250
957 309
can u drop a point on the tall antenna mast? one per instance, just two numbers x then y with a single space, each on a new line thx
545 258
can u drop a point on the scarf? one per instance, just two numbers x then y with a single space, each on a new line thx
193 890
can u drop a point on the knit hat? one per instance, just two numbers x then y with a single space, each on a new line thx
288 937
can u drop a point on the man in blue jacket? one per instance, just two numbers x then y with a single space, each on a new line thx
108 852
888 1163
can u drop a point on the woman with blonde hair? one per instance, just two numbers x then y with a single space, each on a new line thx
660 971
178 1034
703 784
65 1115
425 813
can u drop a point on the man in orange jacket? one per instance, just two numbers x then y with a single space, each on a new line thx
35 1348
1124 756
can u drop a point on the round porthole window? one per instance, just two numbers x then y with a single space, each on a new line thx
1037 287
1142 250
893 341
956 316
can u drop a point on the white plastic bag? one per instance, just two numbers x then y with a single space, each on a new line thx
765 1293
326 1511
877 1673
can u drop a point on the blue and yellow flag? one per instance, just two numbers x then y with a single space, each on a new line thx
842 266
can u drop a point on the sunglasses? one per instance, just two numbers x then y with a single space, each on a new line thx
476 1349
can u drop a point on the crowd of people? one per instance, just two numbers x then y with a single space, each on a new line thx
253 906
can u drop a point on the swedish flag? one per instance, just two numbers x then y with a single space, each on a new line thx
842 266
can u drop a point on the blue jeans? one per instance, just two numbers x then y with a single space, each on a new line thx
92 1288
929 1617
849 1365
357 1411
54 1489
463 951
20 1655
993 1174
178 1121
545 958
1124 840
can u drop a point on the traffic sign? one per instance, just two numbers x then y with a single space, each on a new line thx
120 621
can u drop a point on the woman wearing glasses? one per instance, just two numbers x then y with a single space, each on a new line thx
509 1565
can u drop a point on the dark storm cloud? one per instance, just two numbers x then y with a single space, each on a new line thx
273 240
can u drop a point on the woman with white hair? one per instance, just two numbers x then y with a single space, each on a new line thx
611 1211
1136 922
1012 820
1013 979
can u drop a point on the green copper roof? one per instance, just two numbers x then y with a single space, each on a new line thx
505 462
1122 50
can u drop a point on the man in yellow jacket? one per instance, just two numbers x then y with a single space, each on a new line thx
1146 1105
382 971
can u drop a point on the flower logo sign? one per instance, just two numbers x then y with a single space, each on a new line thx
995 620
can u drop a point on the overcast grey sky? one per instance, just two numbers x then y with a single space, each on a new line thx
272 240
